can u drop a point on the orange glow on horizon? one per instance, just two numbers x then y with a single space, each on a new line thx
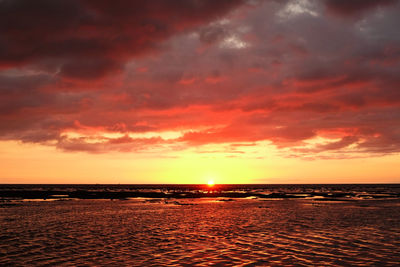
43 164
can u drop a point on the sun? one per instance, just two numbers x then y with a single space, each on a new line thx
210 183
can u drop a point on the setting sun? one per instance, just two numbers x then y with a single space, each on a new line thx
200 132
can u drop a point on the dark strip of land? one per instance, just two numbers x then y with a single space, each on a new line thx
179 194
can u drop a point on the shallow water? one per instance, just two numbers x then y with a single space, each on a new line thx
244 232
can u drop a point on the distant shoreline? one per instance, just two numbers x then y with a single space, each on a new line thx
343 192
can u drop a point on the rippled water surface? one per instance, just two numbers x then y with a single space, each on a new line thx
243 232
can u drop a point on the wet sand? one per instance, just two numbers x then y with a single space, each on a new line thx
208 231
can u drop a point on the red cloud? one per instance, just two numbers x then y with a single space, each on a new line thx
121 144
102 76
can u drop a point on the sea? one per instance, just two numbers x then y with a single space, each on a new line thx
199 225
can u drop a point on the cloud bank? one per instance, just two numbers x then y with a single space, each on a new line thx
309 77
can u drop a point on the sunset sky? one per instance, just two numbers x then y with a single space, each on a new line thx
186 91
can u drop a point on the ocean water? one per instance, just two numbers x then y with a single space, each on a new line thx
201 232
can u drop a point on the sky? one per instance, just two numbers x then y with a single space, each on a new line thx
187 91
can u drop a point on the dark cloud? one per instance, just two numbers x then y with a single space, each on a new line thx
354 7
212 34
89 39
88 69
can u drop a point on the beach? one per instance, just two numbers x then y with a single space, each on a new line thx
201 232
